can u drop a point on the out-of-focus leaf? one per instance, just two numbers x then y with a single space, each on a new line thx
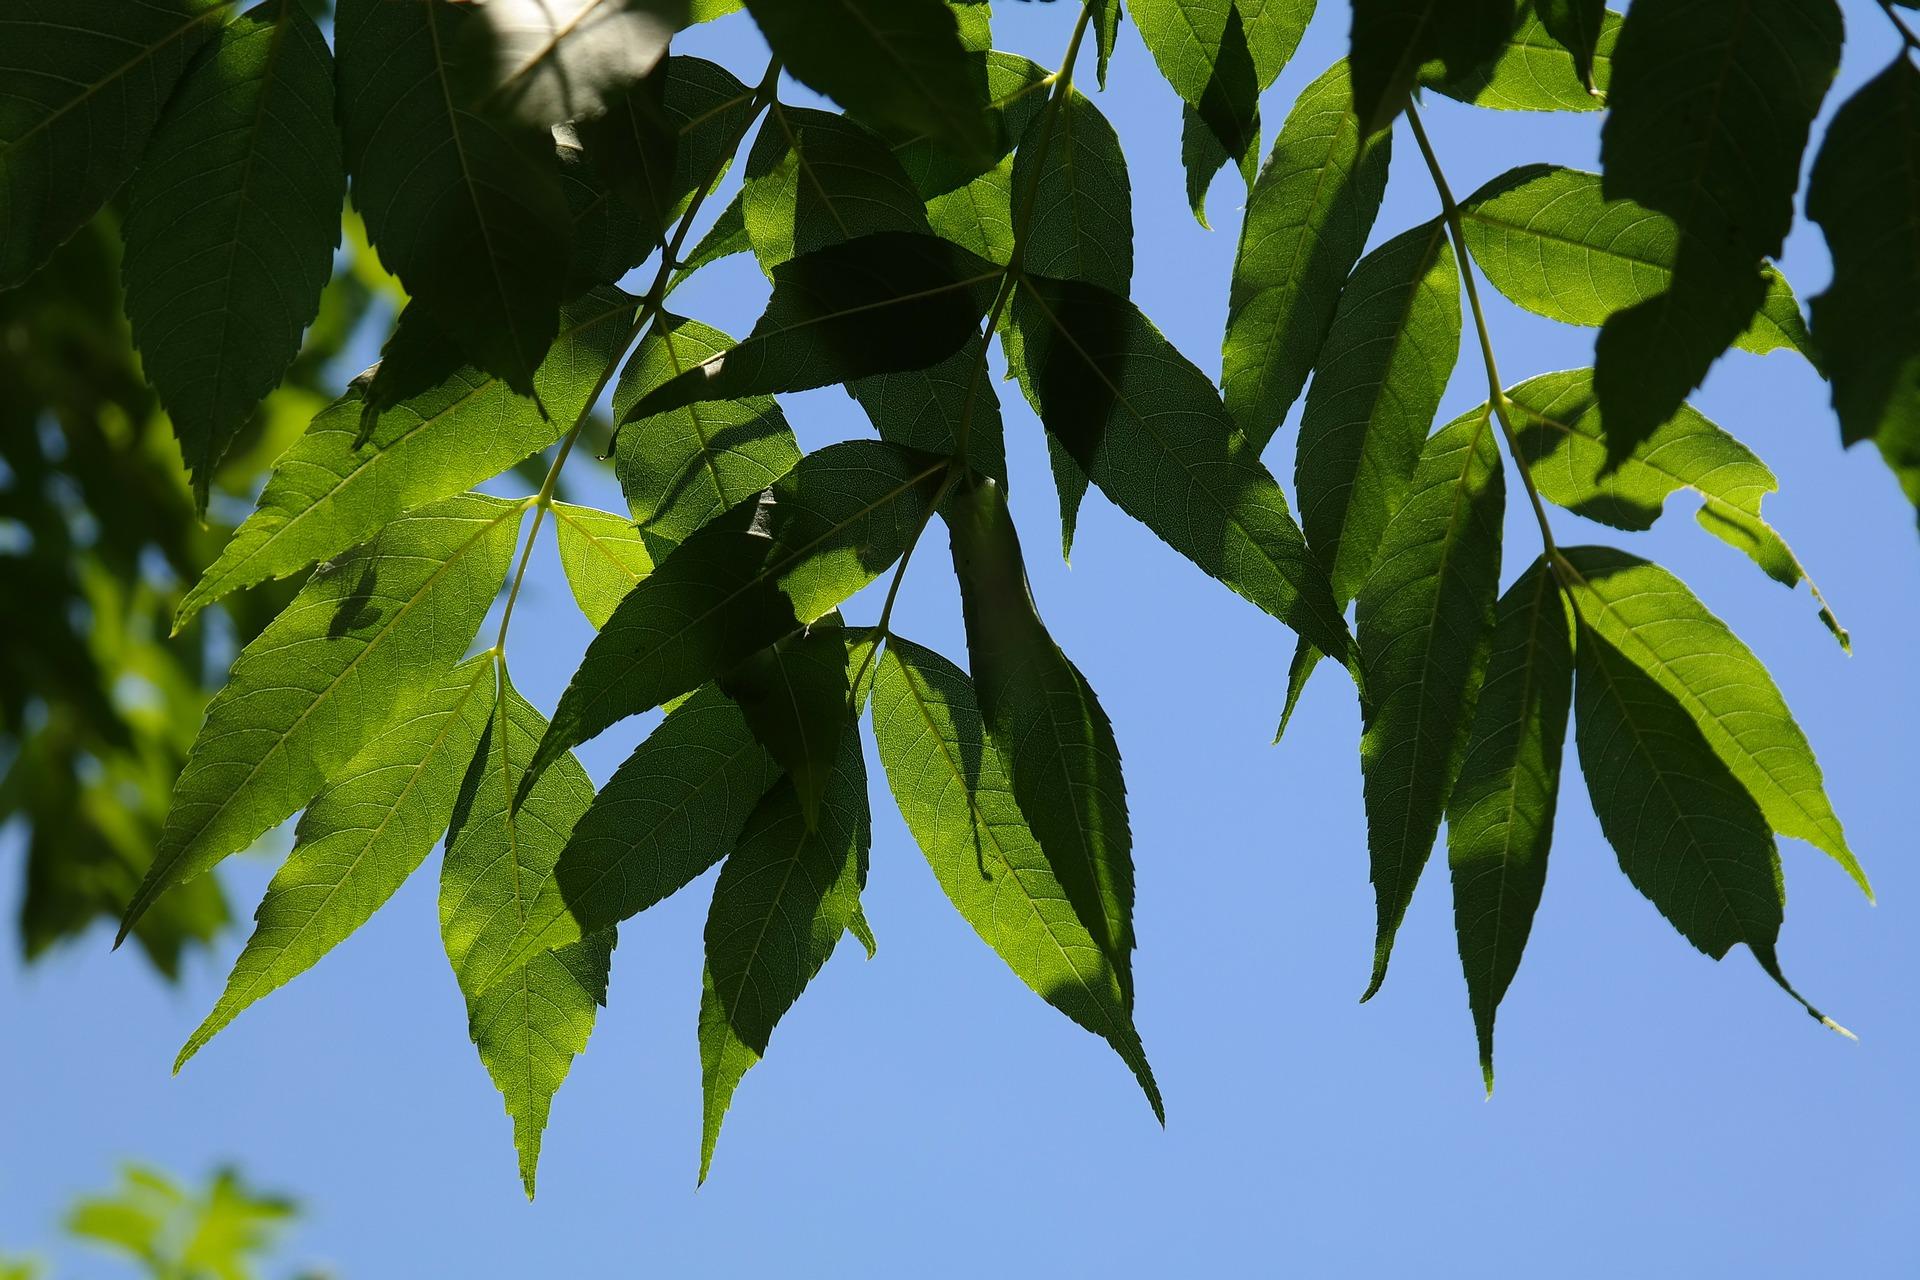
544 62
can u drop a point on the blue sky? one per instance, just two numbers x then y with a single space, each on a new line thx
924 1114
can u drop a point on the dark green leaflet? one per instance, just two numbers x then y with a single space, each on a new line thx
924 408
967 204
1585 28
785 895
1865 195
726 237
1201 47
816 178
1307 221
610 238
1271 31
796 698
1500 815
86 80
603 556
466 211
1394 40
231 225
1425 623
1718 151
544 62
956 798
1560 58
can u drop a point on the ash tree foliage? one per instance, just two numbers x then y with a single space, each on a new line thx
514 161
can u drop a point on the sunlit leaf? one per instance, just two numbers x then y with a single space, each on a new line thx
1560 58
544 62
603 556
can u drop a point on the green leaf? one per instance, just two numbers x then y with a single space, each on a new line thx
931 409
603 556
1651 618
683 467
975 19
797 700
1299 670
1425 623
1082 222
897 64
1561 434
1560 58
529 1024
756 574
815 179
875 304
86 81
544 62
466 211
1395 41
972 204
325 677
785 895
1046 725
1271 31
1500 816
445 430
1106 29
1718 151
1376 387
1865 195
726 237
360 840
231 225
1202 48
1149 429
1552 243
957 800
610 238
1308 218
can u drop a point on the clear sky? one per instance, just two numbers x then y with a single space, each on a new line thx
924 1114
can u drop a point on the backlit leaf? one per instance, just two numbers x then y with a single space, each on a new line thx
1560 58
1394 41
796 698
816 178
603 556
544 62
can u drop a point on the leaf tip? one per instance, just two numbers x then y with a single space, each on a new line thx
1831 1025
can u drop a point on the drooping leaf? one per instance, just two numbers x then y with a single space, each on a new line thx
681 468
1308 219
1149 429
327 675
446 429
361 838
1081 226
787 892
1560 58
1425 623
817 178
1500 816
1717 150
930 409
1394 41
529 1024
757 573
1299 671
1865 195
603 556
957 800
797 701
467 211
86 81
1551 242
231 225
896 64
545 62
1106 29
1201 47
1657 624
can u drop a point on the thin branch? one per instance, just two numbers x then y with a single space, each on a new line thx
1907 35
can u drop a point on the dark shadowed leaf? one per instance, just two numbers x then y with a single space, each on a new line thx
797 700
1082 219
1394 41
930 409
816 178
1560 58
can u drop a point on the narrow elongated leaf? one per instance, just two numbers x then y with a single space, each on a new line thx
1393 41
796 698
957 800
1425 623
726 237
528 1025
1500 816
1106 29
1047 726
875 304
1549 240
603 556
544 62
784 897
465 210
86 81
1271 30
816 178
231 225
681 468
361 838
1560 58
1584 28
327 675
1377 385
1082 222
1657 624
1865 195
448 429
932 409
756 574
897 64
1717 150
1149 429
1307 221
1201 47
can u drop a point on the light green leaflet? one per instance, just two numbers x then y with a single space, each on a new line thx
1500 814
1657 624
785 895
1548 239
1536 72
726 237
328 674
1396 44
958 802
1202 48
1558 424
667 814
1307 221
361 838
1253 53
325 495
815 178
681 468
528 1024
602 555
1425 621
227 247
1584 28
